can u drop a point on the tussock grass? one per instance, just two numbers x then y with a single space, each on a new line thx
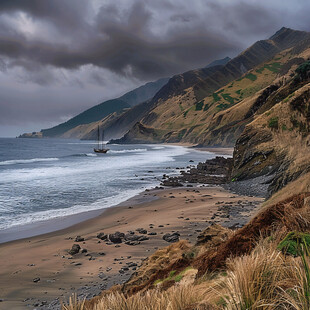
176 298
253 280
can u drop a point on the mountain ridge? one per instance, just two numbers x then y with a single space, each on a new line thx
168 124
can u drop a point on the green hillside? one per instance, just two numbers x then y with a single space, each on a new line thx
102 110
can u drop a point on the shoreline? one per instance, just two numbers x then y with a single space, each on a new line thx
187 210
52 225
60 223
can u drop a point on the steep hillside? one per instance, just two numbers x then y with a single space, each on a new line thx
277 142
215 109
117 124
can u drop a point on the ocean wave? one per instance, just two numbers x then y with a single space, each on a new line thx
86 143
42 216
82 155
158 148
26 161
128 151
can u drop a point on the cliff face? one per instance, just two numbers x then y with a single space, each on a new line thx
277 142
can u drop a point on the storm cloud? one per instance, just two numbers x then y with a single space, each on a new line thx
58 57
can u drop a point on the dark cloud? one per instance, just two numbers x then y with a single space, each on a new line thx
84 51
120 39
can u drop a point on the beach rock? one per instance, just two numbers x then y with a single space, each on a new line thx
75 249
131 264
84 251
102 236
141 231
116 237
213 171
174 237
171 181
35 280
79 239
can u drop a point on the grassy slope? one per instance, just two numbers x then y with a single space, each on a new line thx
183 118
276 142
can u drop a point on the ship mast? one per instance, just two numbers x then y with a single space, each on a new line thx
98 137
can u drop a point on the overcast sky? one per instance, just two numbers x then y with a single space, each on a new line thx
60 57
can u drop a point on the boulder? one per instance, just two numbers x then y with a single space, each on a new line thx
116 237
102 236
79 239
142 231
75 249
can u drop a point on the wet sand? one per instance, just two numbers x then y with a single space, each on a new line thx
187 210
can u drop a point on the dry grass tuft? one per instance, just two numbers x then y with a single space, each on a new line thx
253 280
179 297
158 266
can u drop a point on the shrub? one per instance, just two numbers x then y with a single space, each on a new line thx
228 98
273 122
199 105
216 97
251 77
303 71
291 244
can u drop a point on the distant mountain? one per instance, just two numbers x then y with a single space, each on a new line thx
219 62
103 109
143 93
91 115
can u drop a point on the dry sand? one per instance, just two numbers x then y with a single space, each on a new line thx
46 256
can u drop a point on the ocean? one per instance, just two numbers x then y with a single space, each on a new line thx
45 179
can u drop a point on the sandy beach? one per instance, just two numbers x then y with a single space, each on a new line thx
36 271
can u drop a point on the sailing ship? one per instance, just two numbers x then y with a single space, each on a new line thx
101 146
